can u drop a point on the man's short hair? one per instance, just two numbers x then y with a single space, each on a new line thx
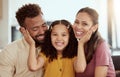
27 10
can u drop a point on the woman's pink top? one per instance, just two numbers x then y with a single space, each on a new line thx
102 57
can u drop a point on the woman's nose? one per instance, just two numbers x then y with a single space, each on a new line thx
79 26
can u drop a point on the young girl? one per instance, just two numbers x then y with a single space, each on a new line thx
97 52
61 54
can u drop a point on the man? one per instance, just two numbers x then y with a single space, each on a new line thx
13 58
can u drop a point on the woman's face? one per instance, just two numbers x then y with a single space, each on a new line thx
82 24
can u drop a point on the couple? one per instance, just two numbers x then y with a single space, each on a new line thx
88 56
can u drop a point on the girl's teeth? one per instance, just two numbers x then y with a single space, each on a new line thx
79 32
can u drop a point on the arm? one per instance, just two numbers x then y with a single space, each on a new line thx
101 71
80 62
102 59
7 63
34 62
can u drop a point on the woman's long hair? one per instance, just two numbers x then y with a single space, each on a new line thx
91 45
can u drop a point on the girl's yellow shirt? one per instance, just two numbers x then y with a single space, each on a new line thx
60 67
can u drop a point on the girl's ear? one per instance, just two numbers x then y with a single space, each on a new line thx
95 27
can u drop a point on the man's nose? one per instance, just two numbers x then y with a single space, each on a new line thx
41 31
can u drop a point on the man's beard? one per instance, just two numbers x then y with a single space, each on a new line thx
38 42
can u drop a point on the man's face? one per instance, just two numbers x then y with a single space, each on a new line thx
36 27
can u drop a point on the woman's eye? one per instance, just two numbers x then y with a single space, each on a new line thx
76 22
84 24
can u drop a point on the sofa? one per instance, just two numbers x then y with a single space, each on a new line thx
116 62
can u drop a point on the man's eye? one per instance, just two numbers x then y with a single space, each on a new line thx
35 29
44 25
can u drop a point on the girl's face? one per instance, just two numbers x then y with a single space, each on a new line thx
59 37
82 24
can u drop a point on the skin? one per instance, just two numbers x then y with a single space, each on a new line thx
36 27
82 26
60 37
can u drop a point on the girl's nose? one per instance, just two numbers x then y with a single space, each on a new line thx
59 37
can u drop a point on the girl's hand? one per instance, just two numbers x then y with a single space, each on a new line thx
27 36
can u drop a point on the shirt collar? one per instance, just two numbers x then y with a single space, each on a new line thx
27 45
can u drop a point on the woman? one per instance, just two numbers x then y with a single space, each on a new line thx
97 52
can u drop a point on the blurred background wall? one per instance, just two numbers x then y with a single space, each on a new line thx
63 9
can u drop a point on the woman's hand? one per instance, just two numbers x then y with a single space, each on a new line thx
85 38
80 62
27 36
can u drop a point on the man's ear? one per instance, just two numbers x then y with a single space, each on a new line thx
95 27
21 29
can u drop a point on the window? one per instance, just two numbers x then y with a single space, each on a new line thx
114 24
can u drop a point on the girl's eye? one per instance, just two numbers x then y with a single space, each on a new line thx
64 35
54 34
